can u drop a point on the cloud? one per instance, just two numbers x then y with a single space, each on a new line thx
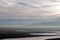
25 9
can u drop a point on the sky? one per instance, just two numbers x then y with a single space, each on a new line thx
29 9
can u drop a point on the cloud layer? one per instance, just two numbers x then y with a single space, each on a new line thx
25 9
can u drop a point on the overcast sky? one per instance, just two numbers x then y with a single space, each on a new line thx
25 9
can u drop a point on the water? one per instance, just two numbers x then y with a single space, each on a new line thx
29 23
